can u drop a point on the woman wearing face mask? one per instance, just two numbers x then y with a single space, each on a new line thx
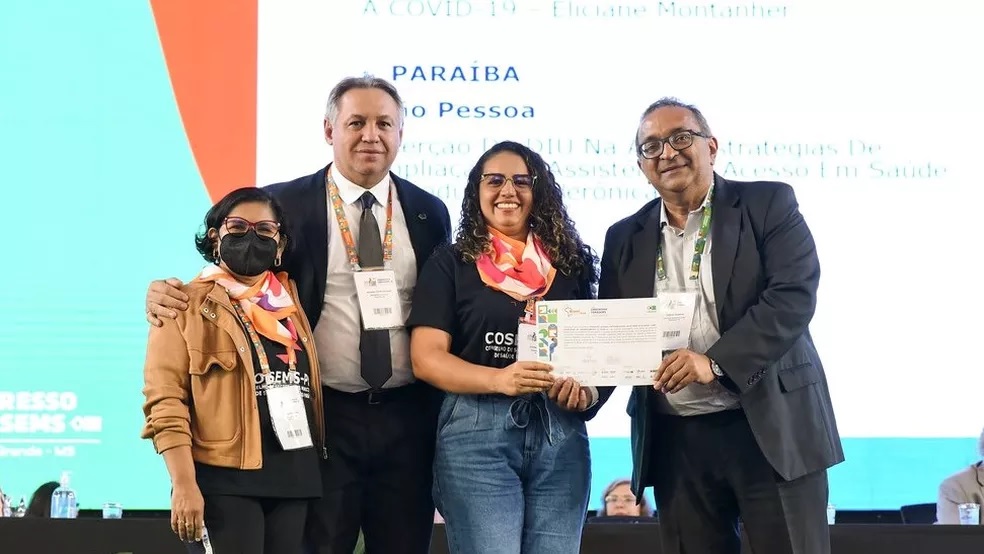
512 467
232 401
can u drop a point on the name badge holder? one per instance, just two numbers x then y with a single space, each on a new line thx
676 313
526 335
284 400
677 308
376 287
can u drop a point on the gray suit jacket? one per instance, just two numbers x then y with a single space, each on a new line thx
766 274
960 488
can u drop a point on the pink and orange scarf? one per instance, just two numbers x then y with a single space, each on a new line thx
264 304
521 270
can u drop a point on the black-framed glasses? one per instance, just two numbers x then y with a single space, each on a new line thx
238 226
681 140
520 180
613 499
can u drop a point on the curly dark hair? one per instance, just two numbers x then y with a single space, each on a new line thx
548 217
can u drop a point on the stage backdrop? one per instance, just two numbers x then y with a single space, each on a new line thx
120 122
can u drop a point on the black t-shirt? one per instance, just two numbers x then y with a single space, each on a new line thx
451 296
285 473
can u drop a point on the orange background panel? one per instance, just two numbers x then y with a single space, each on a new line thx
210 50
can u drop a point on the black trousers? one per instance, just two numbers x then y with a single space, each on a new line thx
246 525
378 474
710 474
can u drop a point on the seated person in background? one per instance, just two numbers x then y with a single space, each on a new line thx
966 486
618 500
40 505
231 385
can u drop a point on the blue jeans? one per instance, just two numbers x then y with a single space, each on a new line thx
511 475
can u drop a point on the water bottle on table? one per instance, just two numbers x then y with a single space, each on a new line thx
63 505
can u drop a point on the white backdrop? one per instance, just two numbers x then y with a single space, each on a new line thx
869 109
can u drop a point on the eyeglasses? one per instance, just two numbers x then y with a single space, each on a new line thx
620 499
678 141
520 181
238 226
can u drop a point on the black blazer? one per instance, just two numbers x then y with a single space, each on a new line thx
766 273
305 200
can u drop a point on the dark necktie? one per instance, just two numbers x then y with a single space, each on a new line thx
374 346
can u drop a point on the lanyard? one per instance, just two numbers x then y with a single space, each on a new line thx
258 346
529 312
339 208
699 244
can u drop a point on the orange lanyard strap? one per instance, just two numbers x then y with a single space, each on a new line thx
339 208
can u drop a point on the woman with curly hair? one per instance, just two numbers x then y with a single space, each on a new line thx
512 469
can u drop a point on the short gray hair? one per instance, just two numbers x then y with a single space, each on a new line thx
367 81
671 102
980 445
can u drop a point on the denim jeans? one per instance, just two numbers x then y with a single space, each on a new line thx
511 475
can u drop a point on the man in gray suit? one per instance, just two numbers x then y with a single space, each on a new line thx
963 487
739 422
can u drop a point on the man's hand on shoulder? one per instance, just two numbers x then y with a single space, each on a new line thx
163 298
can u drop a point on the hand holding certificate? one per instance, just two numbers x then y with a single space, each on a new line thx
523 377
681 368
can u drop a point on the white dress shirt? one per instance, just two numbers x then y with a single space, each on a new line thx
678 253
339 327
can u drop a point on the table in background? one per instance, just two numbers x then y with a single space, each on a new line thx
153 536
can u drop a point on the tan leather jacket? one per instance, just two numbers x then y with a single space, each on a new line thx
198 381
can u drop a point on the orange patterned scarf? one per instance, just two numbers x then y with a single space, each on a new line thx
264 304
521 270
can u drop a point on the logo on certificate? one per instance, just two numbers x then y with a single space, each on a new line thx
546 314
548 341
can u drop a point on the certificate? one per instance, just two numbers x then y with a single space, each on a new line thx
601 342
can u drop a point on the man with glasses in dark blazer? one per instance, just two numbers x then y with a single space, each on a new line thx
738 424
